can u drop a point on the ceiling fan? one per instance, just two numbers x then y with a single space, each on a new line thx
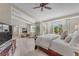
42 6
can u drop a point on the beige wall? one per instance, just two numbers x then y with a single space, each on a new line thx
5 13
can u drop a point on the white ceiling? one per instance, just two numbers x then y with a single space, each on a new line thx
58 10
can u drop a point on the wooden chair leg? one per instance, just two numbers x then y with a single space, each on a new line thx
36 47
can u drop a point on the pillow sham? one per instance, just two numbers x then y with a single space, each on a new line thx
68 38
64 35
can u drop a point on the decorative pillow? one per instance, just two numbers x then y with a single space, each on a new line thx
75 39
74 33
64 35
68 38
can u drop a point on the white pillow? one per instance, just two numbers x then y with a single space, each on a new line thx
68 38
75 39
74 33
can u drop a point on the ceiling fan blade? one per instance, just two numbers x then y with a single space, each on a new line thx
45 3
48 7
36 7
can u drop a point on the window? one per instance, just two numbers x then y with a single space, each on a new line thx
33 28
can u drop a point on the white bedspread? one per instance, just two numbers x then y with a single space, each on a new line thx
54 42
62 47
44 40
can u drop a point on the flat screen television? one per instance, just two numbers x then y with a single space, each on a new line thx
5 32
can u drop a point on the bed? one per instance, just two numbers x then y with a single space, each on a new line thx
44 40
54 46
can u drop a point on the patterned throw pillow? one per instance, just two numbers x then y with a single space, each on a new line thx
64 35
68 38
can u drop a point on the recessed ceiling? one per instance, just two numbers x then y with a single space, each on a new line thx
58 10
